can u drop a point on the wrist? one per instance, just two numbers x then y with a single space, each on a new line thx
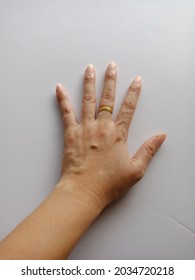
79 189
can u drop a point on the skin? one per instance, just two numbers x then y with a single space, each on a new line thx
95 150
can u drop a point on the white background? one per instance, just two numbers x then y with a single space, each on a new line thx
46 42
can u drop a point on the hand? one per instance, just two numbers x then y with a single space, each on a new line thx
96 154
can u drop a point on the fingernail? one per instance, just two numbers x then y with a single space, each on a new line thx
161 137
58 86
111 67
60 92
90 70
138 80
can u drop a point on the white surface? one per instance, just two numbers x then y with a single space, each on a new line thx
45 42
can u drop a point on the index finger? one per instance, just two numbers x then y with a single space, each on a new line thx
125 114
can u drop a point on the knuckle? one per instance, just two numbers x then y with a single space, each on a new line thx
88 79
122 130
121 135
110 76
120 123
129 104
88 98
133 89
107 94
70 137
111 126
61 98
104 115
70 140
150 150
66 110
140 173
106 129
102 133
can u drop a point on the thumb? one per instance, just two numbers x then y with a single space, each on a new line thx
148 149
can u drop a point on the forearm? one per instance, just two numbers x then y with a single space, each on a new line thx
54 228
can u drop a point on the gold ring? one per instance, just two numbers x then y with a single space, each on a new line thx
106 108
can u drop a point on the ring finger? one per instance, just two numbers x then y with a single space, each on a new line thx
109 90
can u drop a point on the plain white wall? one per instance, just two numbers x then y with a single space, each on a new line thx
45 42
